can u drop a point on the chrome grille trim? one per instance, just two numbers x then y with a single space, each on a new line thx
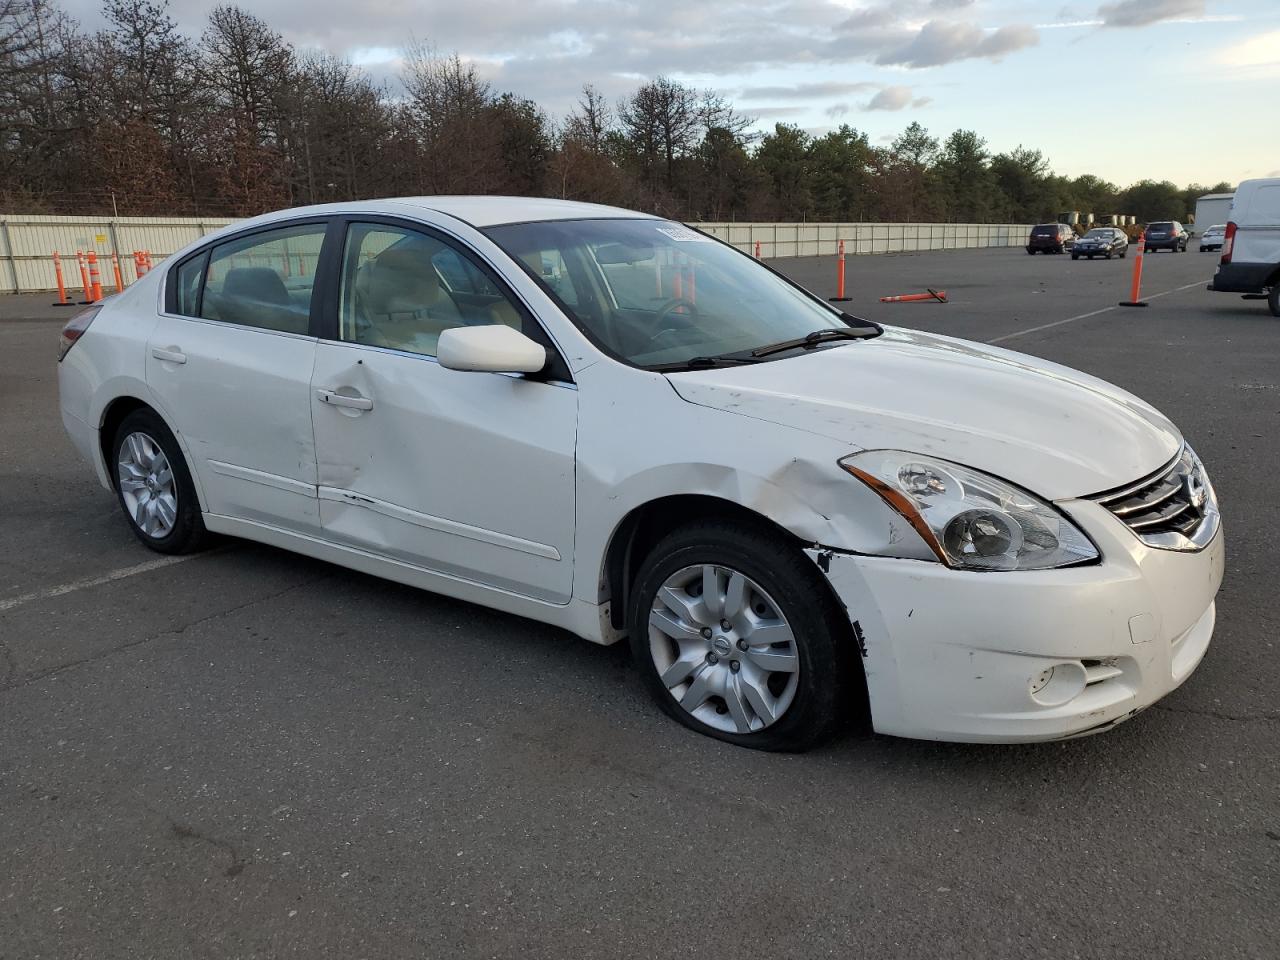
1171 509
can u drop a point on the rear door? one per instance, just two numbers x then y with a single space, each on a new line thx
1258 225
230 364
467 474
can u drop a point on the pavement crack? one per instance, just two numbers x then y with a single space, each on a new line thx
1268 716
184 831
168 632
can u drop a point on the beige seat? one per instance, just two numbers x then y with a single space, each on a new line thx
403 300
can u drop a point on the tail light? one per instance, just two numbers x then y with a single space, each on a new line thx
75 329
1228 241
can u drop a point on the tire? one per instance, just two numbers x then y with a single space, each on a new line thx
1108 254
1273 300
1124 252
1031 252
1075 256
140 450
739 701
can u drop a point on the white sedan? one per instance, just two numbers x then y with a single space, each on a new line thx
1213 237
616 424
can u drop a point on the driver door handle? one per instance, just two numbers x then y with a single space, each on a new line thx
335 399
171 355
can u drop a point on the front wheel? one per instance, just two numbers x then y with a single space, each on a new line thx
1075 256
154 487
1273 300
736 635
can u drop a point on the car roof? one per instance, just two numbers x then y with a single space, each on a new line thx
478 211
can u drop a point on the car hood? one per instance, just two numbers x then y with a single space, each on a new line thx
1053 430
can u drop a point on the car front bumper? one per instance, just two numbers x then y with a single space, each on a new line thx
958 655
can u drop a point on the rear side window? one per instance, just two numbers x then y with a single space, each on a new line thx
264 280
190 275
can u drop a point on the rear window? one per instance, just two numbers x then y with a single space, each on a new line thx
1045 230
1166 227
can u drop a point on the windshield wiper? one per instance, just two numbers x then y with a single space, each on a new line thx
811 340
698 363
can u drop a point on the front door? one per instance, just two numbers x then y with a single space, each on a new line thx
467 474
230 365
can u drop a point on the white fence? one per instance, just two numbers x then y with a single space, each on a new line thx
822 239
27 242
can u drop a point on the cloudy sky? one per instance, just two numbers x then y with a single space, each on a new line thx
1169 89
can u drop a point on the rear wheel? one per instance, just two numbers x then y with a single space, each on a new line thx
1075 256
153 485
737 637
1273 300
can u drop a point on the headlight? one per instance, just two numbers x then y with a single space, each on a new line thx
972 520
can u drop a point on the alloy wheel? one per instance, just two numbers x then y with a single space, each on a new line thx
147 485
723 648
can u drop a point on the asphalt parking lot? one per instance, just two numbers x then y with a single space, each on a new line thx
247 753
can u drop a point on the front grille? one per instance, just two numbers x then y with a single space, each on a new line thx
1170 507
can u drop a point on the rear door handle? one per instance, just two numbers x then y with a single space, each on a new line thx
341 400
169 355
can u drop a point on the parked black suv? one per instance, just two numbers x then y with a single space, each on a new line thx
1166 235
1051 238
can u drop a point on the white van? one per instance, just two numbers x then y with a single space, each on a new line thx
1251 249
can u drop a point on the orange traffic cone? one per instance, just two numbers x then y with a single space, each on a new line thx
939 295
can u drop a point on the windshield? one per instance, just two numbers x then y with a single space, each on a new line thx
1098 235
655 292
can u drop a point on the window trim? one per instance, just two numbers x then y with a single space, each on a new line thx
207 249
331 262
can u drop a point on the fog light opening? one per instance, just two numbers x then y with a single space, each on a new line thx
1058 684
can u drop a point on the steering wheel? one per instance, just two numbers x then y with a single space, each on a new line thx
669 308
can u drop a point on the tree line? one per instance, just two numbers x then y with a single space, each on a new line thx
139 119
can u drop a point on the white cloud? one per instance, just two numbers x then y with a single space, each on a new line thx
1257 51
805 91
1141 13
891 98
945 41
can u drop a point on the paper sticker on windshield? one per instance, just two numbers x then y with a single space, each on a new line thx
684 235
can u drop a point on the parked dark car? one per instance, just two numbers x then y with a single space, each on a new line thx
1166 235
1101 242
1051 238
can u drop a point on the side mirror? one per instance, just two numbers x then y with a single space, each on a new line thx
494 348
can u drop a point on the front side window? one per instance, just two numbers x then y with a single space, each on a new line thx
264 279
654 292
401 289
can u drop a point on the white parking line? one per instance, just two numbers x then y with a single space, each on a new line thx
122 573
1086 316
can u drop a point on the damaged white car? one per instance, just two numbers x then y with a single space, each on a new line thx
618 425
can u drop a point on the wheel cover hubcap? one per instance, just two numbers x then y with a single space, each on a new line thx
147 486
723 648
